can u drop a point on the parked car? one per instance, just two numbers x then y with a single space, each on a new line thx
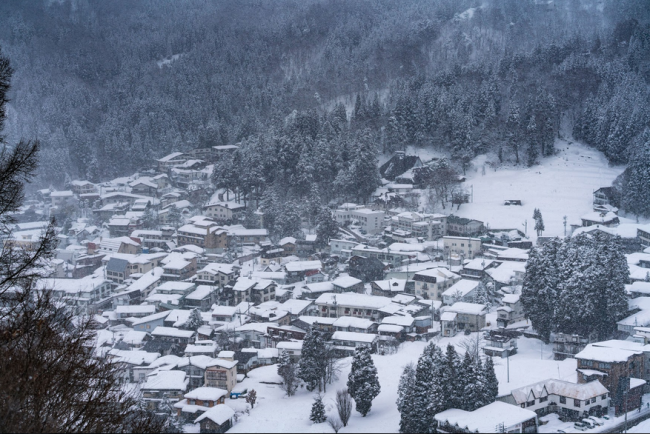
595 420
238 393
580 426
589 423
605 417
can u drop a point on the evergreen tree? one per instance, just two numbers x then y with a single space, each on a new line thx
636 178
539 223
363 381
312 365
540 287
426 398
318 410
471 397
491 384
194 321
327 228
405 387
288 370
450 376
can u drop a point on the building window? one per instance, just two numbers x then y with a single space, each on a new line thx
562 400
543 399
603 397
576 403
530 403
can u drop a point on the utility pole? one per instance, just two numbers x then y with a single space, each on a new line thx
564 221
508 364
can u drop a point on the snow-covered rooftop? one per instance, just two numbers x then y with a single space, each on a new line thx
218 414
487 418
166 380
354 337
206 393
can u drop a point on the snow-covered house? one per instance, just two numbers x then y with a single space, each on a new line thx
430 284
224 211
492 418
463 290
511 311
348 284
467 316
611 362
222 374
218 419
347 342
198 401
164 384
600 218
352 324
388 288
572 401
349 304
293 349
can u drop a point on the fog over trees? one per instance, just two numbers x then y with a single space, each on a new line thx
311 88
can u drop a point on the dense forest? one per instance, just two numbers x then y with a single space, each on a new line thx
314 90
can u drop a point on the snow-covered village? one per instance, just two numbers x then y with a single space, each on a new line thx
455 241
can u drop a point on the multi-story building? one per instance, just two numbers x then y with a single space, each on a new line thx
643 234
171 160
224 211
418 225
83 187
572 401
217 274
349 304
222 374
370 220
619 367
464 227
465 247
218 152
60 197
164 386
430 284
203 232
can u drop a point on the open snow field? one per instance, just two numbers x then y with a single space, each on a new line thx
274 412
560 185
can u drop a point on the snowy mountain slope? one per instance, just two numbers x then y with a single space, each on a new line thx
560 185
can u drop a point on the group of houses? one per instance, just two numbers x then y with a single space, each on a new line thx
190 306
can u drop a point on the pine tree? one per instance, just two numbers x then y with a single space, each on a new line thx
449 376
539 223
318 410
426 398
327 228
312 365
194 321
636 178
540 287
405 387
363 381
490 382
288 370
471 397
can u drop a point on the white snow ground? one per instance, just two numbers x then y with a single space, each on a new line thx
560 185
276 413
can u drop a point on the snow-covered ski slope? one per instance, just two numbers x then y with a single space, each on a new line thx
561 185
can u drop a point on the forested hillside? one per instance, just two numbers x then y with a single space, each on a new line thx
106 86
